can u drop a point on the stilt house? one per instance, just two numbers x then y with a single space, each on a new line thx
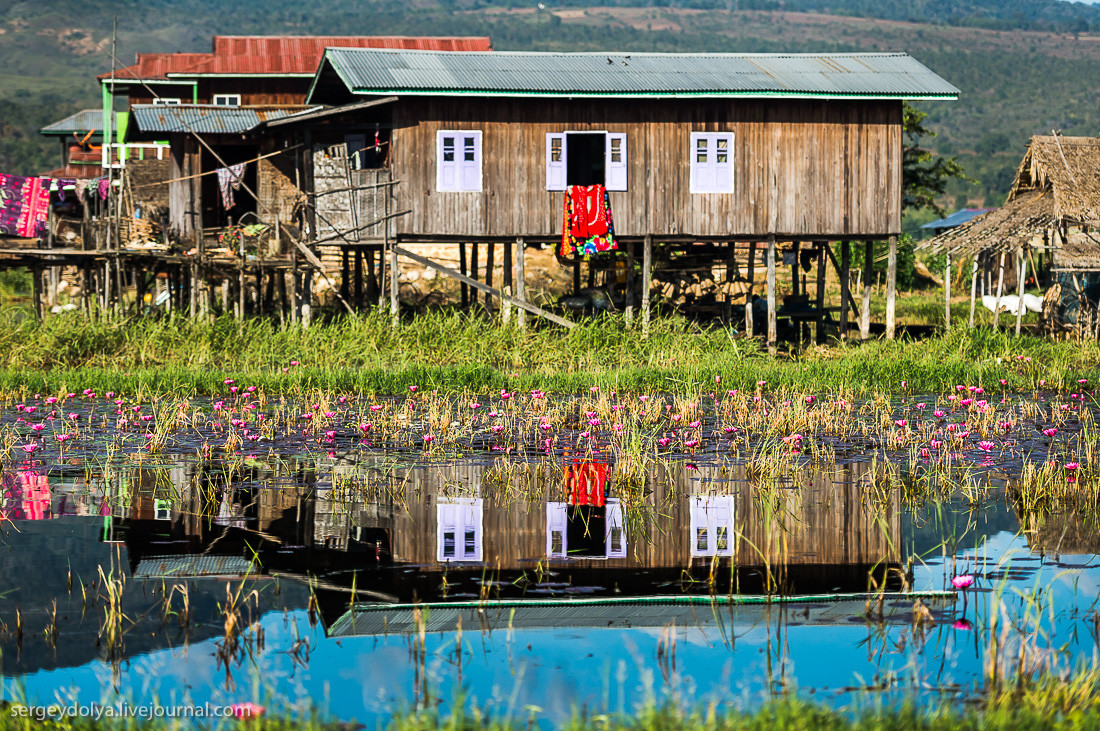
718 148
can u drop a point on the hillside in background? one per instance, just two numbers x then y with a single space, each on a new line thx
1023 68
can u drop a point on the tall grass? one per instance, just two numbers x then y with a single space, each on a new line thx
449 350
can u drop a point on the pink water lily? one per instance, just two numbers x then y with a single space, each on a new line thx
963 581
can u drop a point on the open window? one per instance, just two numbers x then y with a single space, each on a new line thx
458 161
712 525
459 529
586 158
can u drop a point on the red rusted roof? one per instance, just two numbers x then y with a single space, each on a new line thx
261 55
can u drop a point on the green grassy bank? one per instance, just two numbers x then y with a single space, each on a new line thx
452 351
1033 710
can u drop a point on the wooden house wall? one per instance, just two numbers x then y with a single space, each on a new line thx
253 91
801 167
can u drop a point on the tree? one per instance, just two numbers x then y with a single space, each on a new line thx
924 175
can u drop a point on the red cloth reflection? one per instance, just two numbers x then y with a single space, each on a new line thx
587 483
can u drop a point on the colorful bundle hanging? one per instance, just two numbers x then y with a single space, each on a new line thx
24 204
587 227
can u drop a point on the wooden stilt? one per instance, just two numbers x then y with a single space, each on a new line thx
395 312
750 326
463 288
1000 290
865 311
891 288
36 277
973 289
357 279
345 272
647 278
284 301
474 274
845 294
628 302
294 313
490 256
520 277
507 282
576 273
225 297
773 327
947 294
1021 277
820 329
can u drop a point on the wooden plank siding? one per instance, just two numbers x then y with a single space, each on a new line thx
808 168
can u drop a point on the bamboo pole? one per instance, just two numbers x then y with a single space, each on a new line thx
865 311
891 288
1000 290
819 332
773 326
1021 276
507 280
520 276
973 289
647 272
947 294
750 326
395 313
629 299
845 294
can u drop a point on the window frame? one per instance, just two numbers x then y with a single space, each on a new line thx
226 100
167 101
459 163
722 173
556 171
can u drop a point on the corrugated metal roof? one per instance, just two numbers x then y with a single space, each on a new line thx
203 118
957 218
302 54
191 565
877 75
374 619
83 122
262 55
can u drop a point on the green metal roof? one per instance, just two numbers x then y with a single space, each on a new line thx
703 75
82 122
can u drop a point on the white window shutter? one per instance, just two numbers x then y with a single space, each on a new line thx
446 161
557 522
721 149
555 161
471 162
615 162
615 540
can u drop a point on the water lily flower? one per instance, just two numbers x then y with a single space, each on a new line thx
986 446
963 581
29 448
63 438
247 710
902 423
1050 432
664 441
38 427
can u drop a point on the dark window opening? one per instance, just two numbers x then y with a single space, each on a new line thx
586 158
586 530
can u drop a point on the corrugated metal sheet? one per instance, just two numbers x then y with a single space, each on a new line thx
260 55
151 66
203 118
372 619
302 54
958 218
895 75
192 565
83 121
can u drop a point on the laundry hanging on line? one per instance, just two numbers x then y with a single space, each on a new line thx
587 225
230 179
24 205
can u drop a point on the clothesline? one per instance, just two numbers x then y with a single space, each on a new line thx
212 172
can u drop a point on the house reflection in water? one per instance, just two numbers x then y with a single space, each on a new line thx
435 532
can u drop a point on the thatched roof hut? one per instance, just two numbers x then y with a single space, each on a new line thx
1057 185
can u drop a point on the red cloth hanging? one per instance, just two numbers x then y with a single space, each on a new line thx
589 211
